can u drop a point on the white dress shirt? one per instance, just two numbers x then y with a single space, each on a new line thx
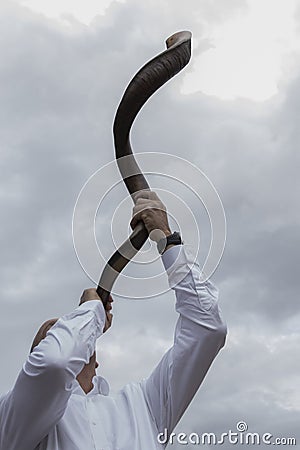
48 410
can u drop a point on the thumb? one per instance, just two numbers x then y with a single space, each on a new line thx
134 221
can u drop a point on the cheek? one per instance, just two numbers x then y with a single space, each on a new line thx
93 360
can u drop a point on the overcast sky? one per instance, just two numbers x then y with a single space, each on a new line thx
233 112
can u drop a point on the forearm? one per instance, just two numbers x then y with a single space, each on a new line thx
70 342
44 385
195 300
199 335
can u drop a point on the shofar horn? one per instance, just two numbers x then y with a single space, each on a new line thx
147 81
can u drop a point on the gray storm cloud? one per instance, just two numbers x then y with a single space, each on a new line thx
60 86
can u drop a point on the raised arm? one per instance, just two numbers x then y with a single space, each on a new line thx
200 331
40 395
199 335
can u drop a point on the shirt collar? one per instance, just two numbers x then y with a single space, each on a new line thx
100 386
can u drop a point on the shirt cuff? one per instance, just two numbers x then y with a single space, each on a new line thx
96 306
178 263
170 256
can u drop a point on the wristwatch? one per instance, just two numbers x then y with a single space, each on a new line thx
172 239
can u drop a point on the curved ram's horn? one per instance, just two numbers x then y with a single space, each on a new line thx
148 80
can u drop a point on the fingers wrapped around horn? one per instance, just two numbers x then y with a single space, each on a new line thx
148 80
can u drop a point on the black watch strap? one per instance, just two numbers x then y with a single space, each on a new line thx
172 239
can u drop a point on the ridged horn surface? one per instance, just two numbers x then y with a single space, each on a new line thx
145 83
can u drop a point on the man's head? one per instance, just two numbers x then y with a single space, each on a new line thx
85 377
89 370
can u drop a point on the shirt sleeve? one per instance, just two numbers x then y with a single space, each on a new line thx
40 395
199 335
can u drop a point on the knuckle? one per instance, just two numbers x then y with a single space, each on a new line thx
89 291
